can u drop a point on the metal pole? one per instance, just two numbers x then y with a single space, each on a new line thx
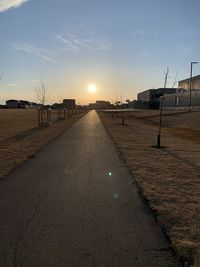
190 88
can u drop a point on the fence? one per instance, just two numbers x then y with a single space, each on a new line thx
48 116
182 100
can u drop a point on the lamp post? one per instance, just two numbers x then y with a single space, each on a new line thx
191 65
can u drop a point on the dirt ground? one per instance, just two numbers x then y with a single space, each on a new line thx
168 178
21 138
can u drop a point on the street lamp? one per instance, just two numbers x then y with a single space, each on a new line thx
193 62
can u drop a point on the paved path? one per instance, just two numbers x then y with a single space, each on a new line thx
74 204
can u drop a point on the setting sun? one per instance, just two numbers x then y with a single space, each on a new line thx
92 88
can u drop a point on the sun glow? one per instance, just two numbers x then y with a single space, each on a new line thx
92 88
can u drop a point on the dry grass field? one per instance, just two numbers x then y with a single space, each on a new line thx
18 121
20 136
168 178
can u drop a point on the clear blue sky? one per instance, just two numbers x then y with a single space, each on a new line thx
122 46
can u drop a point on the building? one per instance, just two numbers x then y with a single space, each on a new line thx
185 84
182 100
151 98
57 106
92 106
33 105
100 104
136 104
69 103
23 104
12 103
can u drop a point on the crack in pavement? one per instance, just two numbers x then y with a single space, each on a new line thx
21 234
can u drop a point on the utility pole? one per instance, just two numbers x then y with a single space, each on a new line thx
190 89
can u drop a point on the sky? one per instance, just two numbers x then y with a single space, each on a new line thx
121 46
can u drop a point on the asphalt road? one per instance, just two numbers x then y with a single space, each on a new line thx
75 204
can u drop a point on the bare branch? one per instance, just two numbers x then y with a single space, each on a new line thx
42 93
1 75
166 73
60 99
175 80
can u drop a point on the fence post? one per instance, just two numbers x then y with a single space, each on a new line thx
41 113
39 120
49 116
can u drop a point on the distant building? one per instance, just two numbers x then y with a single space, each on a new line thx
100 104
12 103
185 84
57 106
182 100
92 106
33 105
69 103
23 104
136 104
151 98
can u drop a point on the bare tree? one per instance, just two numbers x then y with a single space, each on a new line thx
175 80
1 76
117 102
166 73
42 93
122 109
166 76
61 110
60 99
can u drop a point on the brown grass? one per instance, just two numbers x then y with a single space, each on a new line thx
169 178
16 121
20 137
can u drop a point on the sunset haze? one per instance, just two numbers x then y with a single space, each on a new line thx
123 47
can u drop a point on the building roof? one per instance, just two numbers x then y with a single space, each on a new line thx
68 99
12 100
159 89
197 77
